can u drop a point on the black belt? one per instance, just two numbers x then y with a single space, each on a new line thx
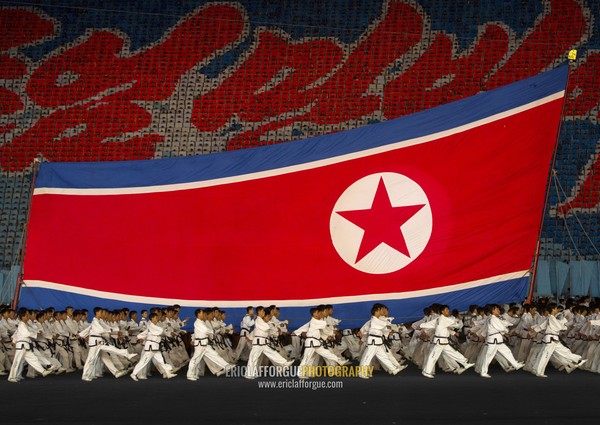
202 339
39 345
65 343
556 339
102 341
377 336
447 338
161 344
29 344
257 341
158 350
311 344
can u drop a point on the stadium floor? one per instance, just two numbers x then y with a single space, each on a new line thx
403 399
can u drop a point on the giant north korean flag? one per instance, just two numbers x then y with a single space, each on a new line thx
441 206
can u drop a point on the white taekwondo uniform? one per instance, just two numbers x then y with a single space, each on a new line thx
221 342
42 349
298 341
79 354
98 333
5 358
23 339
375 347
495 346
244 344
203 350
281 328
553 348
152 352
314 347
260 345
440 344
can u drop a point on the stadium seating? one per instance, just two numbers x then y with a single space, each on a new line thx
64 100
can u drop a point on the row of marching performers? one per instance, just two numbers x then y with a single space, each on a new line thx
434 340
527 337
55 342
565 337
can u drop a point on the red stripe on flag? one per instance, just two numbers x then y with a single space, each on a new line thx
270 239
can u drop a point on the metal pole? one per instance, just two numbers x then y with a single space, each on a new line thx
571 57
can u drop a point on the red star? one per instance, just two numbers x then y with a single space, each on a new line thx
381 223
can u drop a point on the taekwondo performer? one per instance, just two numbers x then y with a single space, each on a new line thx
221 332
335 341
552 348
282 332
202 348
260 345
43 344
443 327
313 343
6 351
494 346
79 353
23 339
98 332
244 344
152 351
378 328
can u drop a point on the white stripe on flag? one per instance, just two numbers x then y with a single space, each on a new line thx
299 167
282 303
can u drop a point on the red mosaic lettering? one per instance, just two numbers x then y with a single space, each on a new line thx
98 64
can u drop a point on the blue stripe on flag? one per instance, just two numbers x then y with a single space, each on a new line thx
354 315
124 174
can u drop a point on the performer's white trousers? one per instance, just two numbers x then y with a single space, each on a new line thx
445 350
556 351
310 356
91 362
492 350
156 357
389 363
204 353
252 366
24 356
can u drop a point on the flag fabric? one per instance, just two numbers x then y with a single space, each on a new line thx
440 206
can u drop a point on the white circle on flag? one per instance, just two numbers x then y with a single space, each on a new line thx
347 236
